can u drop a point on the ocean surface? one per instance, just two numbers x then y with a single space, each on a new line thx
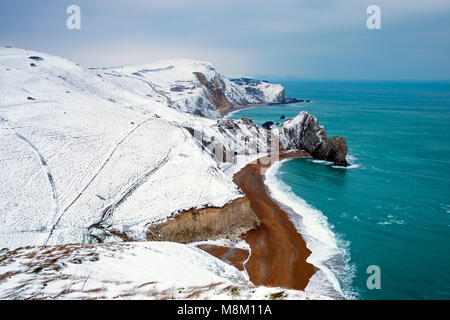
391 208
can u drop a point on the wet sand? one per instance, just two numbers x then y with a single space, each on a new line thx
278 251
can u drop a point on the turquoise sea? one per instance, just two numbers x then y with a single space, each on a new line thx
392 207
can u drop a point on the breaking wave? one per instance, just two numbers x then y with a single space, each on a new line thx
350 159
329 252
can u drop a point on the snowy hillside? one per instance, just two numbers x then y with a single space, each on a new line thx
78 146
153 270
196 87
93 157
87 151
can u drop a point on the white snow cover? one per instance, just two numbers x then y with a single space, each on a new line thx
80 145
137 270
175 79
84 150
298 124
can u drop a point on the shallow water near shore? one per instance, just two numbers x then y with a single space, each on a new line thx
392 207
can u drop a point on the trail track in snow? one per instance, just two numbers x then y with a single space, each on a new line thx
46 170
44 166
31 102
151 85
94 176
106 212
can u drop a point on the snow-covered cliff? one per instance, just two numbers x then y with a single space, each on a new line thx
196 87
90 155
79 145
304 132
138 270
84 146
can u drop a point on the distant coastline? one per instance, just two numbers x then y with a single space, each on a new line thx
227 111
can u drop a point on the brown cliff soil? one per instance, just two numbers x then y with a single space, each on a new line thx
230 222
214 93
278 251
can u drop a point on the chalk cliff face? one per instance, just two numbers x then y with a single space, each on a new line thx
244 136
260 91
100 155
96 144
215 89
196 87
304 132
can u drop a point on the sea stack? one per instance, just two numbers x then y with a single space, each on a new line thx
304 133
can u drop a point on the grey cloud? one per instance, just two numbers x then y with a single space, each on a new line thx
312 39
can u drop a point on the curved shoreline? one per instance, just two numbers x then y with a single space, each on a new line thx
278 251
227 111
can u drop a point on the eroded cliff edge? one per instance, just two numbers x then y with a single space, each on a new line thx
229 95
301 134
230 222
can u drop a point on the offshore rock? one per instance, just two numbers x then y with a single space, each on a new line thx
304 133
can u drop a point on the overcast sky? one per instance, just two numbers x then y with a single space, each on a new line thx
312 39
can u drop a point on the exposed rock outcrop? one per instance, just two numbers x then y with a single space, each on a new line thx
230 221
263 92
304 133
243 136
215 91
267 125
260 91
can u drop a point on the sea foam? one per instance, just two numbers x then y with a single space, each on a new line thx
350 159
328 253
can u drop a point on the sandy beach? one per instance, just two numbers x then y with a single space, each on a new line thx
278 251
